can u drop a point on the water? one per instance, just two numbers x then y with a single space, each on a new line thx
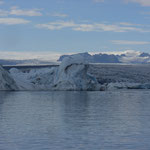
118 120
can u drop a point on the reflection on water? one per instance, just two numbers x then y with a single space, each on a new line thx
118 120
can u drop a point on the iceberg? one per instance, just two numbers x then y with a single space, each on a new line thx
35 79
72 75
127 85
6 81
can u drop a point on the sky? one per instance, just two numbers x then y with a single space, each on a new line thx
72 26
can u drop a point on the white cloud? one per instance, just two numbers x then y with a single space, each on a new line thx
87 27
129 24
84 27
13 21
106 27
22 12
132 56
123 42
61 15
47 56
57 25
131 53
141 2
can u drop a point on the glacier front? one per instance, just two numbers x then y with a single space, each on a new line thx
75 74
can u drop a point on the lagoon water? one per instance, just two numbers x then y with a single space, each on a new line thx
111 120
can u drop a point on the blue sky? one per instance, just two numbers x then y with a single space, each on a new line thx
70 26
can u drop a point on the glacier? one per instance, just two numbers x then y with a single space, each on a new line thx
76 74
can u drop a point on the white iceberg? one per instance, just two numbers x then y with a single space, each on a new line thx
127 85
6 81
36 79
70 75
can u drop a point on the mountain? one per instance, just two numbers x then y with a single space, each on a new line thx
97 58
144 55
105 58
130 56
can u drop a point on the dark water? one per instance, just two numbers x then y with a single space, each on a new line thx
118 120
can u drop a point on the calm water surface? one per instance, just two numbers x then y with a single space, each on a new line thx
118 120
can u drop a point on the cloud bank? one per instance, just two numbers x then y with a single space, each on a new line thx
13 21
98 27
47 56
21 12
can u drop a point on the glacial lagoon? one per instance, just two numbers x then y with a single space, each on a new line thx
55 120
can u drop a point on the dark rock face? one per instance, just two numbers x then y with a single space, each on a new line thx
97 58
104 58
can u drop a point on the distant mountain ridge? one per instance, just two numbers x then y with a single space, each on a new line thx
128 57
97 58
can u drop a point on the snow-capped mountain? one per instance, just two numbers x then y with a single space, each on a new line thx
129 56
